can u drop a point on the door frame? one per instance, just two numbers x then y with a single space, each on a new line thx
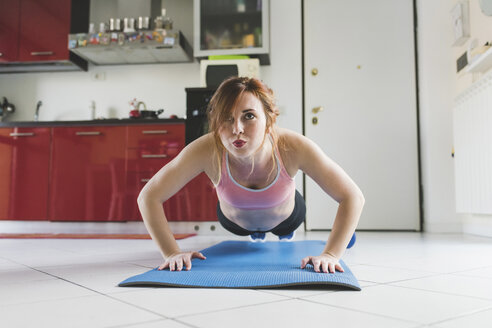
417 97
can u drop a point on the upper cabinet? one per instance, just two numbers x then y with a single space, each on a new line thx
9 30
232 27
34 34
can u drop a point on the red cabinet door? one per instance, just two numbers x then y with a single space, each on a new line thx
88 173
150 147
44 29
9 30
24 173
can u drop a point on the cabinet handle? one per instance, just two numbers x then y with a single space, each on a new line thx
88 133
155 132
154 155
19 134
145 180
42 53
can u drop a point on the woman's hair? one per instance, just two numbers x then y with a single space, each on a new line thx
224 101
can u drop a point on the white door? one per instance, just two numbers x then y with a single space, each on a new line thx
364 53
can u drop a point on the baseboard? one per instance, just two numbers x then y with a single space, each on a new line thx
443 227
480 225
201 228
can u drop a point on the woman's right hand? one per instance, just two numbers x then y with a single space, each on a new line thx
175 262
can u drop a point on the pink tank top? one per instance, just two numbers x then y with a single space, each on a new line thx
236 195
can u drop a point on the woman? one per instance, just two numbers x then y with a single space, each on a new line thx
252 164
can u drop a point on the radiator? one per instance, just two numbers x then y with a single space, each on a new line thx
472 122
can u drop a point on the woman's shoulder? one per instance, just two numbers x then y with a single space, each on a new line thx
290 145
289 139
204 150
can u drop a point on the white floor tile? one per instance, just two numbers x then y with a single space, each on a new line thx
291 313
175 302
481 319
37 291
482 273
90 311
453 284
403 303
22 275
382 261
166 323
381 274
101 277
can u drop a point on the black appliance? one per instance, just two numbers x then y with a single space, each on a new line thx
197 100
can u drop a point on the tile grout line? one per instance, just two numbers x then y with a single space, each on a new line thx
438 292
365 312
228 309
95 291
468 314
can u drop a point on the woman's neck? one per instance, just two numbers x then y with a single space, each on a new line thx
259 162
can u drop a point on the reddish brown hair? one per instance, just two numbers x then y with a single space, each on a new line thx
224 100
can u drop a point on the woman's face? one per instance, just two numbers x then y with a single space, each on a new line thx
243 133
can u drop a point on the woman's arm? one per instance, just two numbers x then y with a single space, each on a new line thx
191 161
336 183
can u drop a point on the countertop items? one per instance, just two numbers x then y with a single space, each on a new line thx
110 122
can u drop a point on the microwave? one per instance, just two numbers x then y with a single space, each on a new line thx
213 72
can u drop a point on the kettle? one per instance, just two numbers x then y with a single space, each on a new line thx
6 108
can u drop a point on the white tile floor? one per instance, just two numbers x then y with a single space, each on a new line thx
408 280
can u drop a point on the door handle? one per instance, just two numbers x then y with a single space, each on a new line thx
154 132
154 155
318 109
87 133
20 134
42 53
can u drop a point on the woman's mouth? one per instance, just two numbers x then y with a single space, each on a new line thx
239 143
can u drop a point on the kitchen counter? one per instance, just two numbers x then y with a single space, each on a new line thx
106 122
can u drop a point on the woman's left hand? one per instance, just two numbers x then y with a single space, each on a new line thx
322 263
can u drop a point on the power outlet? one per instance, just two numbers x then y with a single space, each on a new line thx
99 76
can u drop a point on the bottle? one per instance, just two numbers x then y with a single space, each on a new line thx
167 22
93 36
104 37
159 31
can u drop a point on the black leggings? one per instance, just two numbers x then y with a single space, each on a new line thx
284 228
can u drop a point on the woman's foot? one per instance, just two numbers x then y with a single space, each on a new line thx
288 237
352 241
258 237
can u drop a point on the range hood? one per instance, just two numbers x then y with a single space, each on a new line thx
74 63
136 52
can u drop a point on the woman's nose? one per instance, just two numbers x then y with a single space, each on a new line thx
237 127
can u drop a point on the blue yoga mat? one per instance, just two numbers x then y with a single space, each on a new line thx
242 264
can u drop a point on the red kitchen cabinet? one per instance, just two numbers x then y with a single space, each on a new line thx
9 30
34 34
24 173
44 29
149 148
87 173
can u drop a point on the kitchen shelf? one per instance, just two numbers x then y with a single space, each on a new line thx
148 52
483 63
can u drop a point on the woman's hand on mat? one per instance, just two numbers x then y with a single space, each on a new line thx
322 263
177 261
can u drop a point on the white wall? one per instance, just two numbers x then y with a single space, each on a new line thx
436 89
439 85
67 95
480 29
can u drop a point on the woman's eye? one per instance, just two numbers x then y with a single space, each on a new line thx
249 116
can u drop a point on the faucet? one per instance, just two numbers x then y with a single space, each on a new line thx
141 103
36 114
